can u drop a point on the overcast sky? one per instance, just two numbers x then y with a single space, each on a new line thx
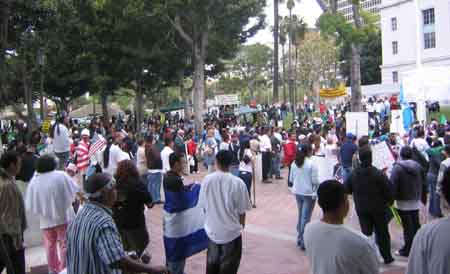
308 9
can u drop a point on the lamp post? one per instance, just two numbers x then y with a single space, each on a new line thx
41 63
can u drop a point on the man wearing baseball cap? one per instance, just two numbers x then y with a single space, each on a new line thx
93 241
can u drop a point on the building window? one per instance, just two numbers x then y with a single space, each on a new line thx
394 47
429 34
428 17
430 40
394 23
395 76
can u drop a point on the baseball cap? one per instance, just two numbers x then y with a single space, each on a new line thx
95 183
85 132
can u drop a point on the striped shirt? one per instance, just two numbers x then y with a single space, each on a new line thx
82 156
93 242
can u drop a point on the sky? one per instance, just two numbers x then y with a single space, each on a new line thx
308 9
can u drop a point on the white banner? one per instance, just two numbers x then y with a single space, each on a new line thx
382 157
397 122
227 99
357 123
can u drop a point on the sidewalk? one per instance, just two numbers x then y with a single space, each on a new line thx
269 239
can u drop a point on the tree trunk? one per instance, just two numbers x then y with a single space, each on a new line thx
4 17
355 79
139 100
283 60
199 88
28 93
104 102
275 50
291 91
355 75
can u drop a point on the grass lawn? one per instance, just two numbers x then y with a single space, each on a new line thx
444 110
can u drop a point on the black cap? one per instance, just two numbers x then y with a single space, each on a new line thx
96 182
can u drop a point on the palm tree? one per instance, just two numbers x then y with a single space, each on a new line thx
283 39
275 48
299 28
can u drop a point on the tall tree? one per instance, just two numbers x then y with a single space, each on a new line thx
276 37
217 24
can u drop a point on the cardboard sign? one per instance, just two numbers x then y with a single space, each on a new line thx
382 157
357 123
397 122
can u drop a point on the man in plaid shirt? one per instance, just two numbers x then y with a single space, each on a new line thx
94 244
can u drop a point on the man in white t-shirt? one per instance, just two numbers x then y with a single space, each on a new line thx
332 247
165 153
115 155
225 200
266 149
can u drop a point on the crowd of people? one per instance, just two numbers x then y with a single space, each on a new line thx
91 184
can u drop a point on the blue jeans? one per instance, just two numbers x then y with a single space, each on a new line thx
435 200
346 171
176 267
276 165
234 170
305 205
154 186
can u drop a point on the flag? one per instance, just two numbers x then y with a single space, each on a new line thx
408 116
97 144
184 234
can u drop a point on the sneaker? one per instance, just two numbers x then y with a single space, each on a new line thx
400 254
389 261
279 178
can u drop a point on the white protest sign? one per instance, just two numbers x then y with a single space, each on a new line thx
382 157
357 123
227 99
397 122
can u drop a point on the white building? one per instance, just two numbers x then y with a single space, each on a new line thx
399 38
345 7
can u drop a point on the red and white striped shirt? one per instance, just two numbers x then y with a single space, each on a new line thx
83 158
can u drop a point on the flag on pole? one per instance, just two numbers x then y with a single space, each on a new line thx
97 144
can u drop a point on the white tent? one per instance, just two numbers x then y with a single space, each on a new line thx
426 83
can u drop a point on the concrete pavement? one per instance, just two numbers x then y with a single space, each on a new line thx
269 239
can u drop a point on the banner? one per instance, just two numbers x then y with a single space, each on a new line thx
227 99
357 123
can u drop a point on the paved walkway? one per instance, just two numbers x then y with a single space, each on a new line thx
269 240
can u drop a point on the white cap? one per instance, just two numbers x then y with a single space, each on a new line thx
85 132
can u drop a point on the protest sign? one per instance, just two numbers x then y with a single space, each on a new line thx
46 126
357 123
397 122
382 156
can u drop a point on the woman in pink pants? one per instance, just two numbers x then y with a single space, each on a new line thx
50 195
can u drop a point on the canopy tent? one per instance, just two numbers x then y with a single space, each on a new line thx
88 110
426 83
172 107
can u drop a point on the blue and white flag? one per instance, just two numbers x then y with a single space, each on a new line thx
408 115
184 233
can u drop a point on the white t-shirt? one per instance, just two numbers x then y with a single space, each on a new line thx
224 198
339 250
265 144
165 153
141 160
430 253
61 141
116 155
247 167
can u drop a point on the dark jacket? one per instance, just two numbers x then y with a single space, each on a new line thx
132 196
407 181
370 189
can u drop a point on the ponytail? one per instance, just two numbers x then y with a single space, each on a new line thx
305 151
106 153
